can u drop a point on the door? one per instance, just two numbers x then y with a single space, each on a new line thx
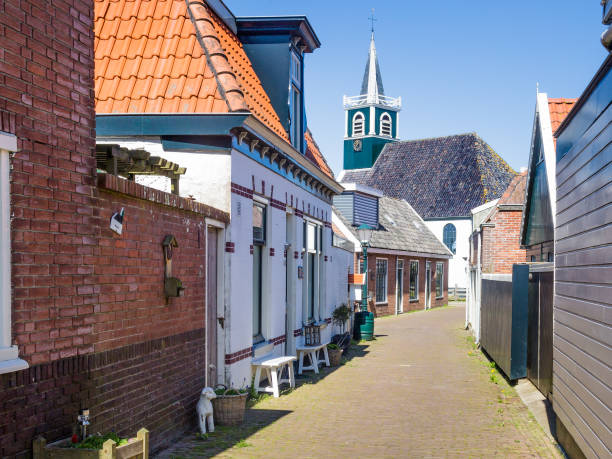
399 291
211 306
427 285
540 330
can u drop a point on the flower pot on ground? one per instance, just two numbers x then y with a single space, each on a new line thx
335 354
229 406
94 447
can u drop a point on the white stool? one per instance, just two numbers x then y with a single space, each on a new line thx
312 352
274 369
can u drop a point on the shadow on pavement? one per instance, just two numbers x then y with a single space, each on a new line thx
224 437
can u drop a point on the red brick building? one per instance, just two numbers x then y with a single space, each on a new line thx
407 264
86 323
495 244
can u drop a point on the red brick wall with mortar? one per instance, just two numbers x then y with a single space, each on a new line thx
127 355
88 311
500 244
388 308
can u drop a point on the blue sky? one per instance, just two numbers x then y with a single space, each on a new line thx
459 66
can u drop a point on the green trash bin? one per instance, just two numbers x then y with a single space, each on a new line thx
366 327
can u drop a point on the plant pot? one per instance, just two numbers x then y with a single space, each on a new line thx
335 357
135 448
228 410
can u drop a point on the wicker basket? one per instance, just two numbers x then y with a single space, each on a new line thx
228 410
335 357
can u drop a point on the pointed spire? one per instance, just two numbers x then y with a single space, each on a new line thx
372 85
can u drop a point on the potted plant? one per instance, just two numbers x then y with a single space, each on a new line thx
229 405
97 446
335 354
340 315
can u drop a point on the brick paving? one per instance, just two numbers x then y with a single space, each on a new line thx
419 390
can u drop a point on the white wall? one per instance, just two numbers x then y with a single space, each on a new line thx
207 178
457 266
245 171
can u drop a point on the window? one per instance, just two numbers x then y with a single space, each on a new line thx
381 280
259 241
439 280
449 237
312 247
296 117
296 69
385 125
9 358
358 124
414 280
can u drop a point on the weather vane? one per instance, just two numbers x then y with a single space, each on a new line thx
373 20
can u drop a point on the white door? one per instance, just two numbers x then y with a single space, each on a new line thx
399 290
427 285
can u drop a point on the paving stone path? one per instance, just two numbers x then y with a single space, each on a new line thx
419 390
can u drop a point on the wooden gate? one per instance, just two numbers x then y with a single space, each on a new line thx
540 327
211 307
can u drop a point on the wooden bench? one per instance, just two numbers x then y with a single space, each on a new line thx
274 370
312 352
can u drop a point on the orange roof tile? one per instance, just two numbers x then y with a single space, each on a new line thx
559 108
313 153
149 59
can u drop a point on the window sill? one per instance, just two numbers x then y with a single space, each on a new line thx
382 303
262 348
416 300
10 365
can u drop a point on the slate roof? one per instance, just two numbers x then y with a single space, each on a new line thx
165 56
354 175
401 228
440 177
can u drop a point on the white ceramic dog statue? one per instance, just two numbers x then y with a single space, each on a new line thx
205 410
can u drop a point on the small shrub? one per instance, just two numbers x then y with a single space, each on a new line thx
332 346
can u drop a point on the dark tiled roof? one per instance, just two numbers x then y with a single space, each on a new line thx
401 228
354 176
440 177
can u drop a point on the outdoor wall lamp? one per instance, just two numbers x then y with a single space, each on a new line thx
173 287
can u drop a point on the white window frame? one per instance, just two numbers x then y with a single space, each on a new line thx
414 300
385 122
361 132
9 354
440 263
386 260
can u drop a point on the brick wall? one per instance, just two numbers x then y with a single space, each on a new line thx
387 308
89 314
46 84
500 244
154 384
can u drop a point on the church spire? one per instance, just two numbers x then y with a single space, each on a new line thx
372 85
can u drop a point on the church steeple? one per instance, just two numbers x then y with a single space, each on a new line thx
372 84
371 118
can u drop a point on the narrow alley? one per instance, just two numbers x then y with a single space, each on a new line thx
419 390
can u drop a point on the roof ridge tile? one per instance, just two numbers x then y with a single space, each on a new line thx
210 42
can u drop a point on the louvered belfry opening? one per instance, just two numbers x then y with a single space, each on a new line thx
116 160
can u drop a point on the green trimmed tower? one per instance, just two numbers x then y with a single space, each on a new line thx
371 119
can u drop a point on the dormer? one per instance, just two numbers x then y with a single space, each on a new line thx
276 47
358 204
